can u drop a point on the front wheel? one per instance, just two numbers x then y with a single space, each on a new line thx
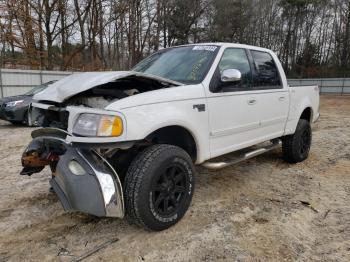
296 147
26 118
158 187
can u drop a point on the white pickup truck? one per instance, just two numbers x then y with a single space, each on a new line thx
125 143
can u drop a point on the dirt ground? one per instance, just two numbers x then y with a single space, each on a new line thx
249 212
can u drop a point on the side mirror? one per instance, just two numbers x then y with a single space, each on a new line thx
231 76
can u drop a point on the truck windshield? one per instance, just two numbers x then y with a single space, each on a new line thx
188 64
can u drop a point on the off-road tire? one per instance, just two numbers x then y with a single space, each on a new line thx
147 170
296 147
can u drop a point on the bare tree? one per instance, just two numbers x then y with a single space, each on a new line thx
311 37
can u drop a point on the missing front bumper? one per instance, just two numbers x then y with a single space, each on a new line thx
82 179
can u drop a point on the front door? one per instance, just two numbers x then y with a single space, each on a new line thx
233 118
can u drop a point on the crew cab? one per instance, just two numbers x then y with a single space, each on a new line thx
126 143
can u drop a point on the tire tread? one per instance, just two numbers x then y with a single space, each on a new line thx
289 145
134 177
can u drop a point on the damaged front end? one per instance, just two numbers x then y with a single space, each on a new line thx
82 179
84 139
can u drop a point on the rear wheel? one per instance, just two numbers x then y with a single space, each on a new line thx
296 147
158 187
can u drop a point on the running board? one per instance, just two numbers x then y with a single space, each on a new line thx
248 155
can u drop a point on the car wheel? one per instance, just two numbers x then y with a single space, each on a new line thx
26 119
296 147
15 122
158 187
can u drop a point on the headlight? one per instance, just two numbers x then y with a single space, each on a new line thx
14 103
98 125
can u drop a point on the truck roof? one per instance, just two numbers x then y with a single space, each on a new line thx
226 44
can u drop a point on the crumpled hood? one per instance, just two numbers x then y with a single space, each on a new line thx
80 82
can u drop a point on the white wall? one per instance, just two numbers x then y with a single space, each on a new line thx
327 85
16 81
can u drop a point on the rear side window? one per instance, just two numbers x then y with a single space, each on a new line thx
267 76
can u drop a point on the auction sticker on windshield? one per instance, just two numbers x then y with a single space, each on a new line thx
205 48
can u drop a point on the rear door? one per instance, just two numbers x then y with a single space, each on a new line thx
272 98
253 111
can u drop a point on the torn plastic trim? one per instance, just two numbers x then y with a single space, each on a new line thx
83 142
98 191
107 145
50 131
38 115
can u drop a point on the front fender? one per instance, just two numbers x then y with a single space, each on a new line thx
144 120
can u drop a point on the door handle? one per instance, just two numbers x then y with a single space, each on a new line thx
252 101
282 98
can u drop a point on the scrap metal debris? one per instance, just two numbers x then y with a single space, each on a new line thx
326 214
307 204
63 252
95 250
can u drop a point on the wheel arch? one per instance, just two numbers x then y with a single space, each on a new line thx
307 114
303 110
176 135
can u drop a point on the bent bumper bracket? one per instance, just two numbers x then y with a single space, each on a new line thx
95 190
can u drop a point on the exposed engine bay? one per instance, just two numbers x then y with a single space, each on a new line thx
101 96
98 97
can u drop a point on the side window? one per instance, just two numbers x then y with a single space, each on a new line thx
236 58
267 73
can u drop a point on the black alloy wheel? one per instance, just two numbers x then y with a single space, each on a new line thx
168 190
158 187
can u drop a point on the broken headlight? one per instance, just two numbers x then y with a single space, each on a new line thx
98 125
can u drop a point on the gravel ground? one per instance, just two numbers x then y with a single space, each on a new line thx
248 212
